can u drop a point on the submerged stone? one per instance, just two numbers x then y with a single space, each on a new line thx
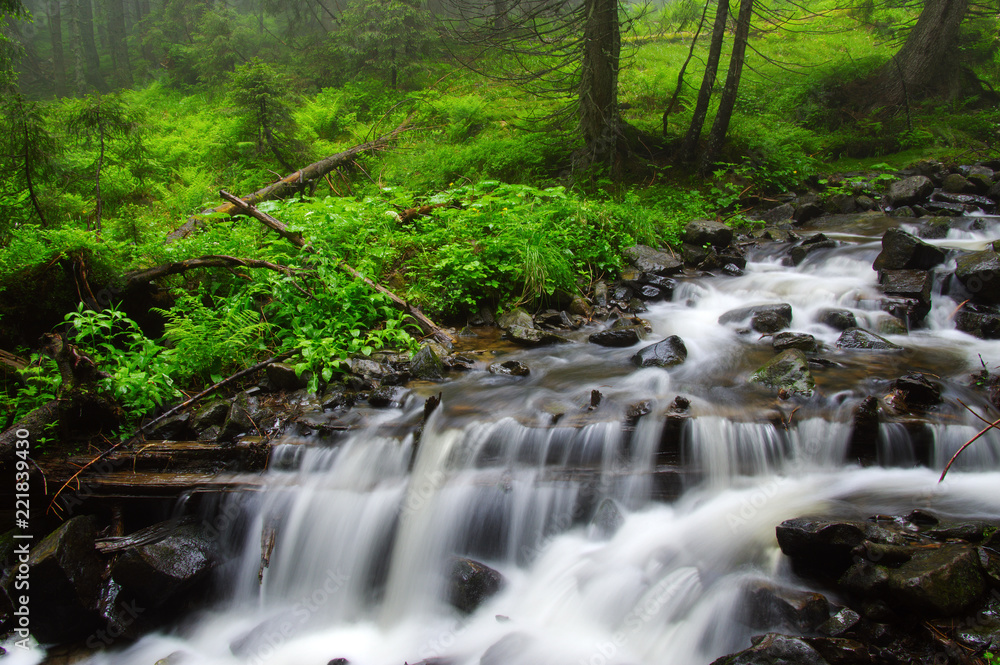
765 318
789 371
859 338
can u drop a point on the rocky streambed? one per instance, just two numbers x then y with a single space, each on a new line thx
732 449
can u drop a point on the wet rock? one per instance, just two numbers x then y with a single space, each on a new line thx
820 546
970 202
533 337
426 364
838 319
903 251
978 273
515 317
859 338
904 211
651 293
768 318
768 606
909 190
607 519
580 307
384 397
509 368
940 581
647 259
913 284
618 337
775 649
978 321
471 583
840 623
807 211
65 574
812 244
945 209
956 183
168 570
917 390
666 353
702 231
369 370
793 340
213 413
788 371
863 444
175 428
698 255
935 228
783 212
238 419
283 377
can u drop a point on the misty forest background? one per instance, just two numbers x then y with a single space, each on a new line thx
530 141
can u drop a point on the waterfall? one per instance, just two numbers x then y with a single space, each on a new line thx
622 538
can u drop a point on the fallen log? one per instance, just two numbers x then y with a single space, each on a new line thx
293 182
428 327
208 261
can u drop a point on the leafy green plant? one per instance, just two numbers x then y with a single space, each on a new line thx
208 339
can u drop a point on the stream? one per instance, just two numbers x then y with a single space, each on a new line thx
617 544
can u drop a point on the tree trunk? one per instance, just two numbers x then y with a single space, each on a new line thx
119 46
680 76
58 55
91 59
79 73
690 144
923 66
600 120
728 100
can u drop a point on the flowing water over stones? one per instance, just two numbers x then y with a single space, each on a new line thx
596 512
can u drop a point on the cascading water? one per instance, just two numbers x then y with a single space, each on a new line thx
617 543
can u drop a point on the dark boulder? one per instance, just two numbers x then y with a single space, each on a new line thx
978 321
666 353
531 337
942 581
768 606
767 318
471 583
956 183
509 368
863 443
618 337
515 317
792 340
978 272
913 284
838 319
903 251
814 243
239 418
861 339
820 545
775 649
426 364
917 391
213 413
647 259
283 377
788 371
65 574
909 190
167 570
781 213
704 231
175 428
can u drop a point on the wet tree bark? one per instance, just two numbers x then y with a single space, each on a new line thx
600 120
690 144
54 8
720 127
923 66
